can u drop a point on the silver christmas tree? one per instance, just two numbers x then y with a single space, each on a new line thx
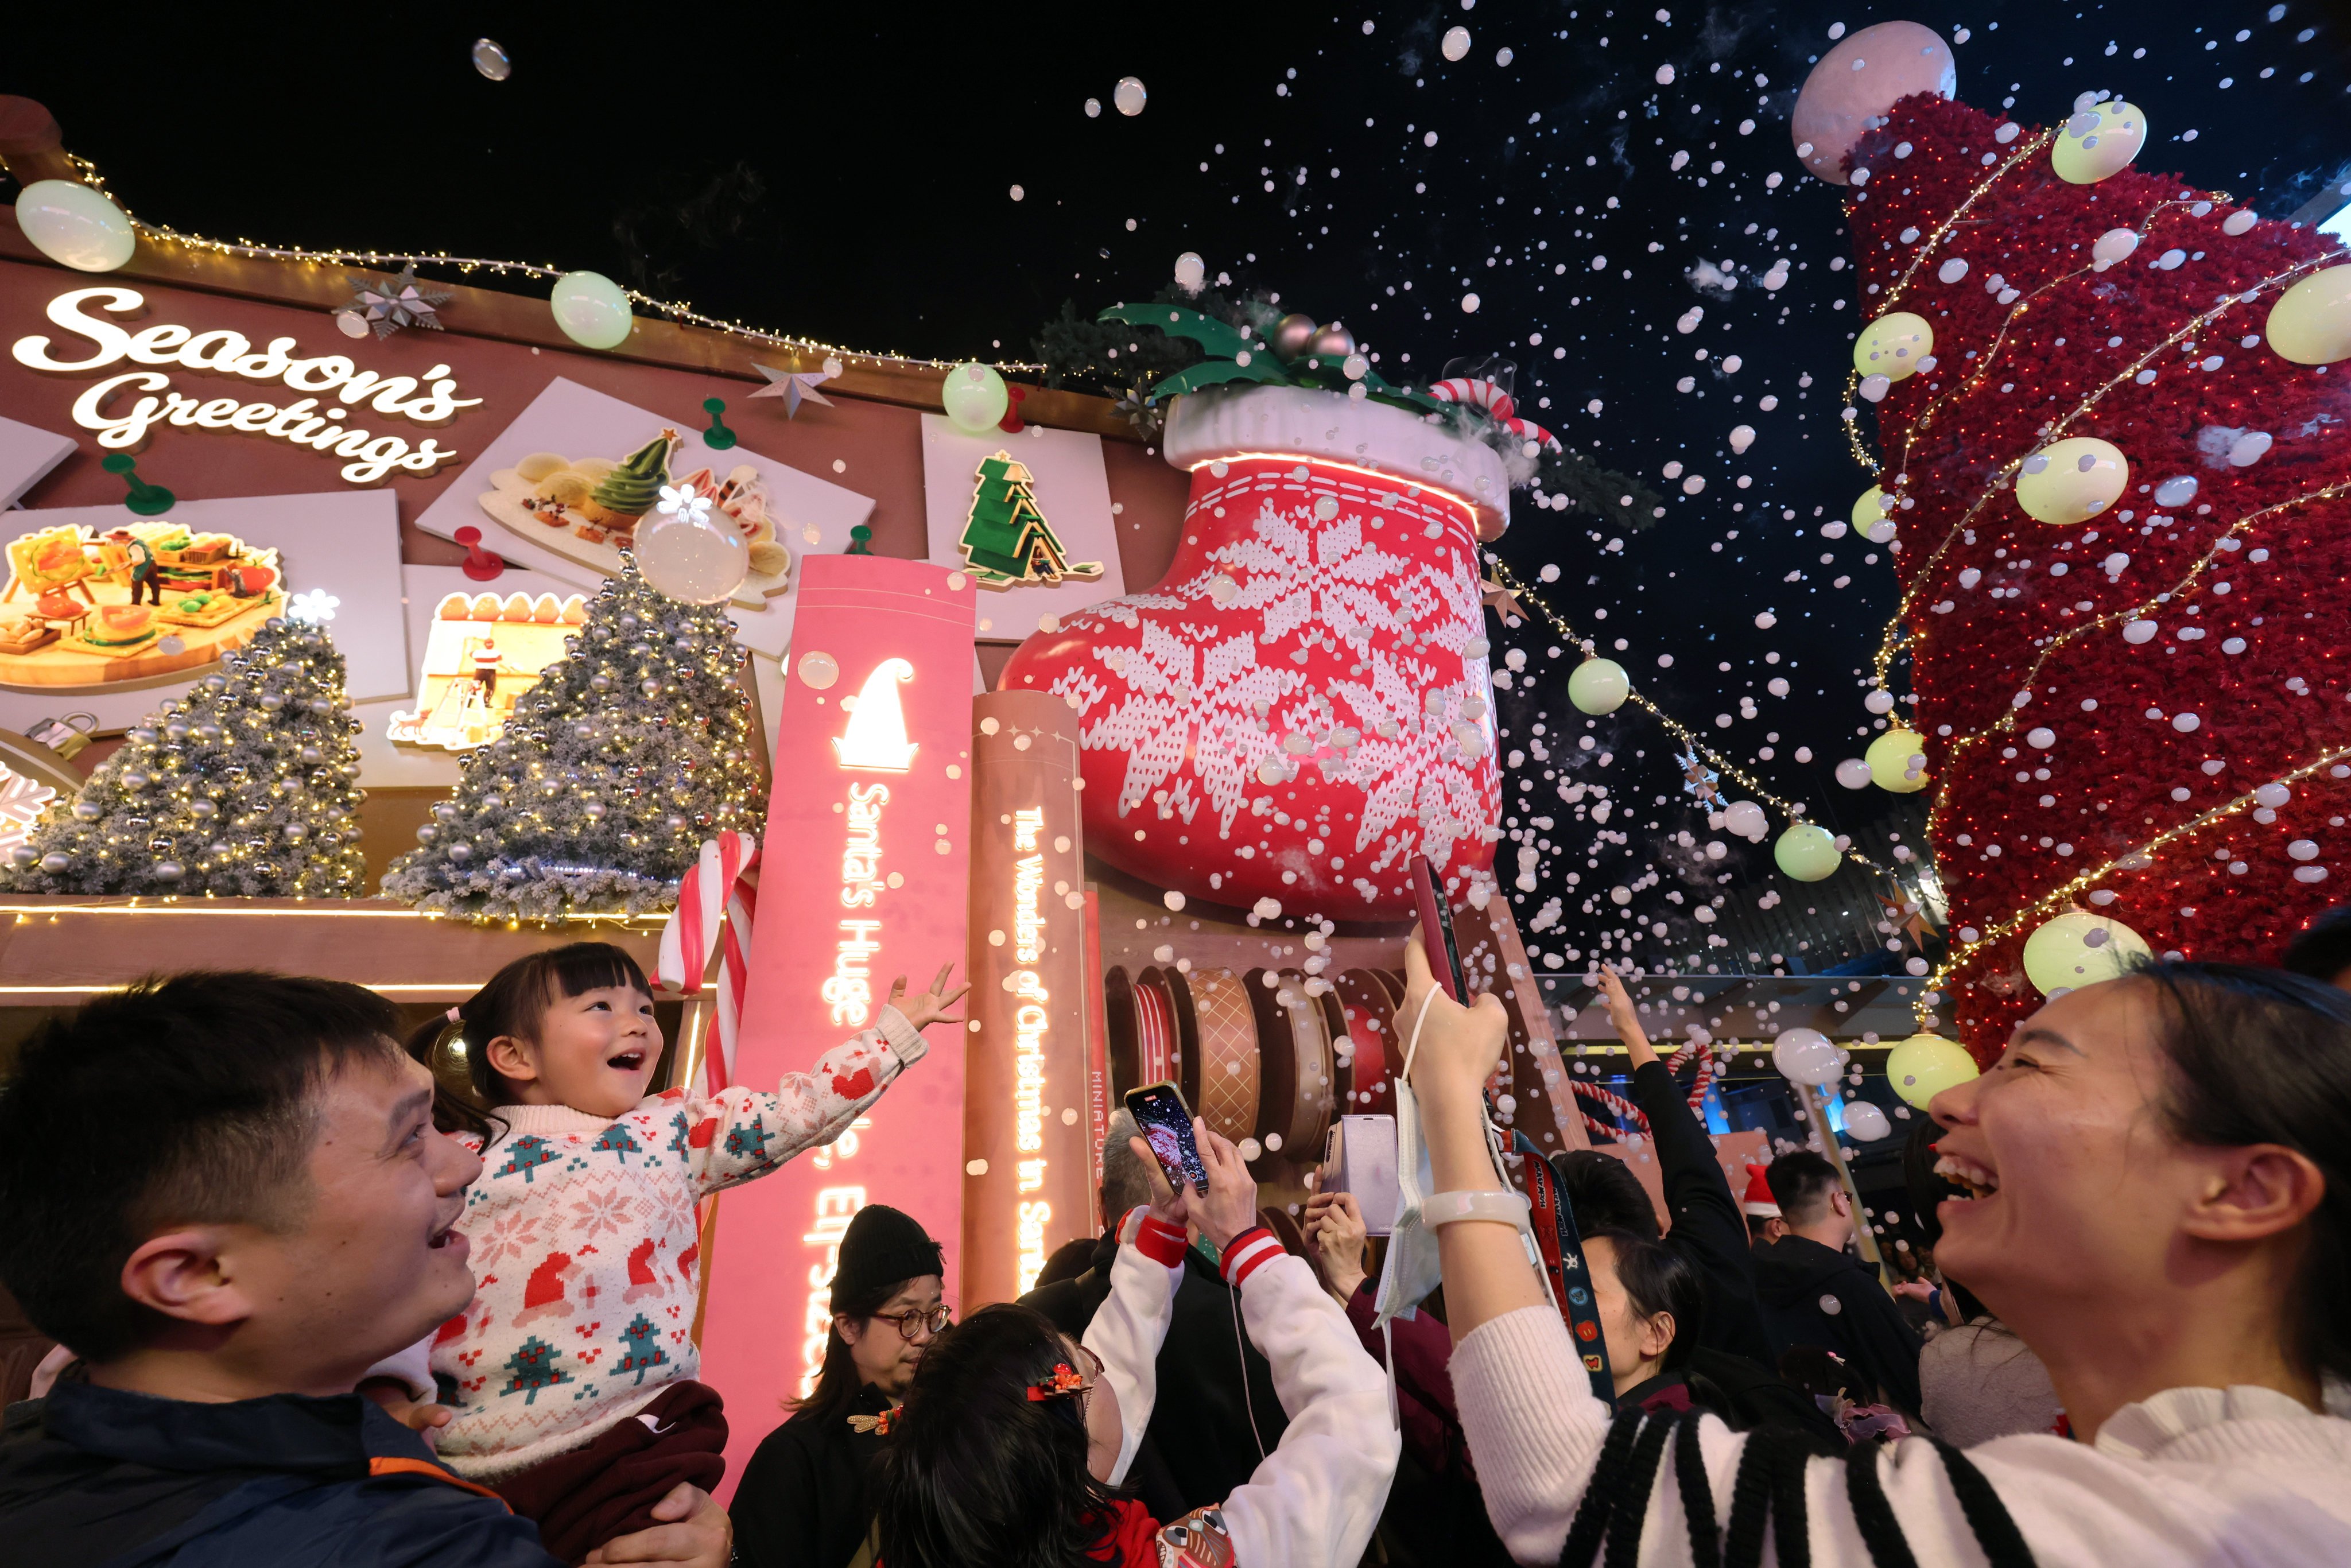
631 750
248 786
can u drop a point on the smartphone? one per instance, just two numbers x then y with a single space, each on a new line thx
1359 1156
1166 1123
1436 930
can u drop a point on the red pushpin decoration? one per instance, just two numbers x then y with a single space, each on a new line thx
1010 424
480 564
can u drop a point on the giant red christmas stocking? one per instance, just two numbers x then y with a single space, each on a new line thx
2131 697
1302 704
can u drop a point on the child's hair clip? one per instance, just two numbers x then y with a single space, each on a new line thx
456 1017
1065 1381
879 1424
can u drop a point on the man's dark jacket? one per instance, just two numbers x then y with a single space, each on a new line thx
1709 1228
1797 1278
99 1477
1199 1447
802 1502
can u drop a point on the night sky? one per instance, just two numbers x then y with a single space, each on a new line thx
810 172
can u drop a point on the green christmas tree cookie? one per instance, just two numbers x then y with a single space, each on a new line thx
630 490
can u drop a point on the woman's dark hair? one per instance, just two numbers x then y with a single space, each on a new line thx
981 1473
838 1380
2262 1056
1656 1279
512 1003
1605 1194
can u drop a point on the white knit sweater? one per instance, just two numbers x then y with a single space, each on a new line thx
584 1251
1314 1500
2193 1478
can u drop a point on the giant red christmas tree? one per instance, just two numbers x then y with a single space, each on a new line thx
2144 713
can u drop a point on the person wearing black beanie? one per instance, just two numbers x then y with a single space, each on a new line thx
801 1502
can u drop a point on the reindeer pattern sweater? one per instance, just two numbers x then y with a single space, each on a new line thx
583 1248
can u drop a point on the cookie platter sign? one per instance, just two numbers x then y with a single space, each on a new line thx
333 392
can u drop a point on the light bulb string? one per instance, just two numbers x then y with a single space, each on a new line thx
2050 647
676 311
1698 747
2138 859
1898 636
1974 378
1983 187
1852 377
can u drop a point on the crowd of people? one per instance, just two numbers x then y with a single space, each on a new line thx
314 1303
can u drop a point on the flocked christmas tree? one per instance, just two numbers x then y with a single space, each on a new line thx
631 750
248 786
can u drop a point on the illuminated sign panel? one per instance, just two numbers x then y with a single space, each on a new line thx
1030 1117
868 823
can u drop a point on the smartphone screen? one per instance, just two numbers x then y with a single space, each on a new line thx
1436 930
1166 1123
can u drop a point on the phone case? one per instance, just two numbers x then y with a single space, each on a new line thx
1436 930
1166 1123
1363 1161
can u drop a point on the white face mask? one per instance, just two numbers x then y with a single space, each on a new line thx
1412 1269
1414 1266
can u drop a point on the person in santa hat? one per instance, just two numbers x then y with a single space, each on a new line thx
1764 1223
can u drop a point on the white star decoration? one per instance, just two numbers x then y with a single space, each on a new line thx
796 386
684 502
313 606
21 803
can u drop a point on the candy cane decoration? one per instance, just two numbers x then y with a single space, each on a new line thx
715 896
1476 391
1625 1110
1528 430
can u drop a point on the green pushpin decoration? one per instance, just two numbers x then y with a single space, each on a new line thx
718 438
860 538
147 501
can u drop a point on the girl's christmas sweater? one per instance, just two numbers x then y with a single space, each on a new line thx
584 1247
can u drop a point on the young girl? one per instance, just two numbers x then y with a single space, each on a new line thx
569 1379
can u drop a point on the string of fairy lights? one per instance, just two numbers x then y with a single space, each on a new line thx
2188 583
1962 948
1898 636
673 309
1696 744
1852 377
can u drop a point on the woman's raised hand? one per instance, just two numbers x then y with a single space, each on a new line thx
1458 1047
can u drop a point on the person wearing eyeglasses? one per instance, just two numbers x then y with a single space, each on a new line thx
802 1502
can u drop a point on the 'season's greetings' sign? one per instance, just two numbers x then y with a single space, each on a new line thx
338 390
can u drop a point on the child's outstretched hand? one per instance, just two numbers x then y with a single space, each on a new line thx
932 1006
425 1419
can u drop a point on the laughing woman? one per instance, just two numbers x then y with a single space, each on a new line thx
2160 1171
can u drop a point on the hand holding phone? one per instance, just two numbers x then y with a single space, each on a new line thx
1444 953
1165 1123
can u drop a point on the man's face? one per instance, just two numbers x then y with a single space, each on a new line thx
884 1356
369 1263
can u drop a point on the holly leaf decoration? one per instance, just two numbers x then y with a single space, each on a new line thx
1261 368
1215 337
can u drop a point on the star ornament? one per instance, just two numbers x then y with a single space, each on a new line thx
796 386
1698 780
1503 601
385 307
